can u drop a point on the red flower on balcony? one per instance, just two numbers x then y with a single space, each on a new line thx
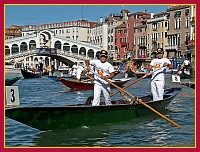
123 44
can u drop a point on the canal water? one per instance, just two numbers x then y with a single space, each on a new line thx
148 131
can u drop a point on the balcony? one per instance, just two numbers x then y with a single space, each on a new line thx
142 56
171 47
191 43
123 44
157 19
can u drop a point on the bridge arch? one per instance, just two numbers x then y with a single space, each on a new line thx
74 49
66 47
57 45
90 53
82 51
32 45
23 47
7 50
98 54
15 48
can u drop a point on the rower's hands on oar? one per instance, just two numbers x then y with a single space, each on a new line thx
103 77
147 74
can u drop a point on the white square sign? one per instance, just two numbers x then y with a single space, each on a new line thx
175 78
12 96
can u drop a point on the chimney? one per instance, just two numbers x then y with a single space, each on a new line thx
152 14
101 19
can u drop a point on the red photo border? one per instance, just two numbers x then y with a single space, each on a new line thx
112 149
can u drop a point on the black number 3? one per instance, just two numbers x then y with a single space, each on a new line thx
176 78
13 95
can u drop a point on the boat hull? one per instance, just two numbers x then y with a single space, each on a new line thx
9 82
28 75
77 116
78 85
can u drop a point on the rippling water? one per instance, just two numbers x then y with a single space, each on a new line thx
142 132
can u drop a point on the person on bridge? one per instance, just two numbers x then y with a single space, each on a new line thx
105 71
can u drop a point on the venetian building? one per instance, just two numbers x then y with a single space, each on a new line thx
113 21
178 30
156 34
140 34
13 32
98 34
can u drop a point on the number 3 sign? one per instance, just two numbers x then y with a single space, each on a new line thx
12 96
175 78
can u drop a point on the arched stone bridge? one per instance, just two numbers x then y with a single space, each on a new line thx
46 43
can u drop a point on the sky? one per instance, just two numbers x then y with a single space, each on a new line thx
45 14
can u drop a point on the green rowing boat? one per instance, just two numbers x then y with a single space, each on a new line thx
11 81
80 115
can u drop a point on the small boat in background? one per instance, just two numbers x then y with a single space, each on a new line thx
131 73
29 74
84 115
87 84
11 81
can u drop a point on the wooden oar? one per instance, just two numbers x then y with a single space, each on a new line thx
140 101
130 84
188 84
146 105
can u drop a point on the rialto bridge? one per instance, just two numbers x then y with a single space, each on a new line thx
44 45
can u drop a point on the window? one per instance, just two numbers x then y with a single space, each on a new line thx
111 39
179 40
168 25
154 26
179 23
177 14
187 11
119 31
187 22
168 15
175 24
165 34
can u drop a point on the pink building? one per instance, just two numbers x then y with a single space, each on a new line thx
121 41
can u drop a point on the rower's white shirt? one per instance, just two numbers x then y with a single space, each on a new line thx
186 62
101 68
74 67
79 69
158 64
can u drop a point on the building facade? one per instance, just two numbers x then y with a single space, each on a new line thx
113 21
178 30
76 30
140 34
13 32
156 34
98 34
121 41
